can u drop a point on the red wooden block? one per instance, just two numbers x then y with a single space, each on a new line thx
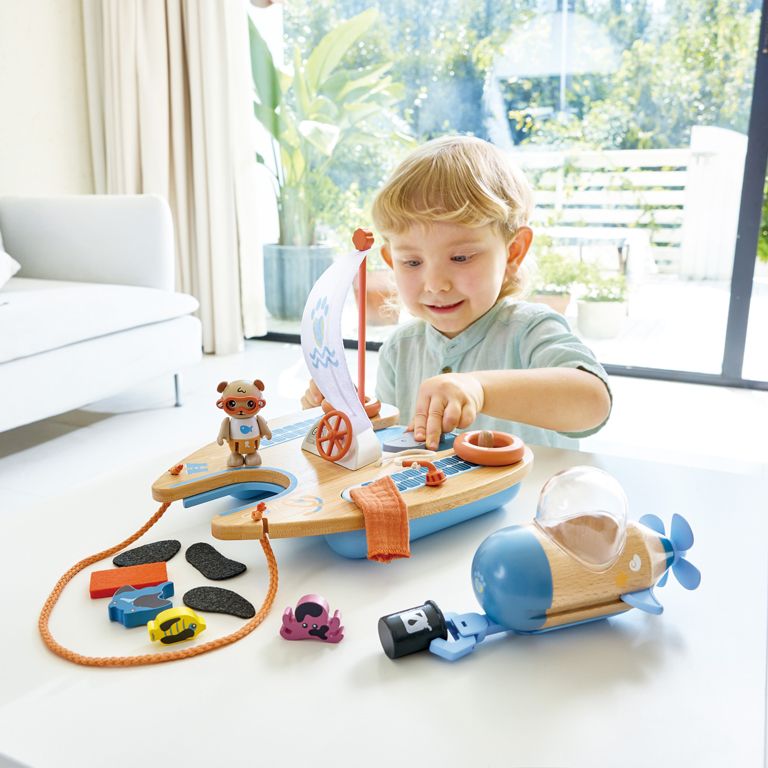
106 583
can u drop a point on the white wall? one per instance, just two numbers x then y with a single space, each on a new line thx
44 137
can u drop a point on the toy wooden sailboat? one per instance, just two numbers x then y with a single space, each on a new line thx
309 464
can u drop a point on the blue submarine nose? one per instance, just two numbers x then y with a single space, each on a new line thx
512 579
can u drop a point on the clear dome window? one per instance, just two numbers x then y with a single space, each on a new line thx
584 511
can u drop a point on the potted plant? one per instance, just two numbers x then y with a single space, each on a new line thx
555 275
313 115
602 307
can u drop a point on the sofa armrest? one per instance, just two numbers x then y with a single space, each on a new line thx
120 239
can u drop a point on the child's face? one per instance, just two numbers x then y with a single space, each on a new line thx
449 274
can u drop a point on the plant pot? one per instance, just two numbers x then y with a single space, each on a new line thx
601 319
558 301
381 306
290 271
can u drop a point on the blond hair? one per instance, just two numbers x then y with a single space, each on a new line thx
461 180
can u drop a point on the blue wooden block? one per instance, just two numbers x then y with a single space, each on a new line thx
135 607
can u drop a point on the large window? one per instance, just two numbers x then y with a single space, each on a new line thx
631 119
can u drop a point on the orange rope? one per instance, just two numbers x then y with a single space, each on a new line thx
150 658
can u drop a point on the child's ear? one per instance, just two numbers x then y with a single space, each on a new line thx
518 247
386 255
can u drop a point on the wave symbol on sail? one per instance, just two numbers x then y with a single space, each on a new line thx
323 357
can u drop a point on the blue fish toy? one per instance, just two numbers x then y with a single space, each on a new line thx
135 607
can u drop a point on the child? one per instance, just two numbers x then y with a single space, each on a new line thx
454 221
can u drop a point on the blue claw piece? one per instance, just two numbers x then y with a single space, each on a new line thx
465 631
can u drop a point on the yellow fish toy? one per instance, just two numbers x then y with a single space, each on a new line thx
175 625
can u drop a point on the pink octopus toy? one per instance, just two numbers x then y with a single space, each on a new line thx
311 621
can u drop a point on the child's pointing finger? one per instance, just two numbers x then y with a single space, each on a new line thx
434 423
420 416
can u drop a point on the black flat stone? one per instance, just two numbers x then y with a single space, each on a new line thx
211 563
218 600
156 552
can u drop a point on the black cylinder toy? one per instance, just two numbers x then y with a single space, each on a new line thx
411 630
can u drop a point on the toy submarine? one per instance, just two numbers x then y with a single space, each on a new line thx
579 561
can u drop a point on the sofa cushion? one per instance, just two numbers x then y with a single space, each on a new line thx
40 315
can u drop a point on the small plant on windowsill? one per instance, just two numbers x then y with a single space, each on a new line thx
602 306
554 277
602 288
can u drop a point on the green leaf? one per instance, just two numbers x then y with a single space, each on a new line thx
396 91
322 136
288 135
265 76
354 113
323 109
331 49
284 80
267 117
343 84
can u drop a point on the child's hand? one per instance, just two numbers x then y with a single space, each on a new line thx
444 403
312 397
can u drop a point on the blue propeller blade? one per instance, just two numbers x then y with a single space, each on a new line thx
681 534
653 522
681 538
687 574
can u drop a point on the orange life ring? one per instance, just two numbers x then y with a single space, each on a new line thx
507 449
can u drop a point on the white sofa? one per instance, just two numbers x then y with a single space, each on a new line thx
92 311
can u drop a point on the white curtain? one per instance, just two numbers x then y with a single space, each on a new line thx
170 108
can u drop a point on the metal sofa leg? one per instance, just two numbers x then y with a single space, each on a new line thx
177 389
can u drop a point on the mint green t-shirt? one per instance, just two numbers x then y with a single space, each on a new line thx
511 335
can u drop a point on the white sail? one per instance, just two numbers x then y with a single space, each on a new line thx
322 342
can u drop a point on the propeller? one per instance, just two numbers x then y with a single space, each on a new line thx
681 539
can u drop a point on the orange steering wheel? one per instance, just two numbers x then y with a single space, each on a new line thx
499 450
334 436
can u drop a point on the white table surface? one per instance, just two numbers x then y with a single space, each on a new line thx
687 687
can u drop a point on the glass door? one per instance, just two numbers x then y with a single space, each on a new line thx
632 121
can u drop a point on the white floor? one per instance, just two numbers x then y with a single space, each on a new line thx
695 425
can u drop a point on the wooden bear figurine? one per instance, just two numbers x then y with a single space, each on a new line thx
242 427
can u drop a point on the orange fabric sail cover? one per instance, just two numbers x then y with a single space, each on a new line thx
386 519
